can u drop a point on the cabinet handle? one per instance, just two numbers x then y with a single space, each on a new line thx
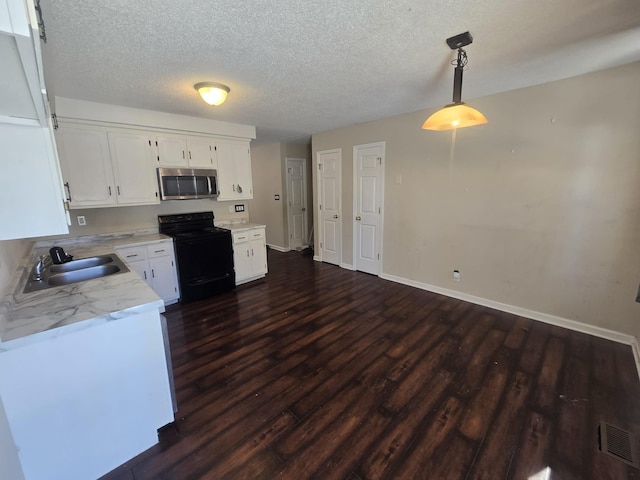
132 255
234 187
256 234
109 190
252 252
247 253
153 274
145 274
183 154
118 187
242 238
239 189
158 251
189 154
66 185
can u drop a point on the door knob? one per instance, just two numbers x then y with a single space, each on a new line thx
358 218
335 216
304 209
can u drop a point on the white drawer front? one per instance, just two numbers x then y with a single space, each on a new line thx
133 254
241 237
159 249
256 234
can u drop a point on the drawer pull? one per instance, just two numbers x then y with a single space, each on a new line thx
158 251
132 255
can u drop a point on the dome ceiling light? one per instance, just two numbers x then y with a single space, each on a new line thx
212 93
457 114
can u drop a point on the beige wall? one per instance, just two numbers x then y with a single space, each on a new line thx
266 169
11 254
268 166
127 219
538 209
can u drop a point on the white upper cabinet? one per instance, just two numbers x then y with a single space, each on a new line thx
107 167
86 166
186 151
202 152
22 91
133 162
234 170
172 150
31 191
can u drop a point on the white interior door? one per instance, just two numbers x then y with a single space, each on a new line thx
329 213
368 190
297 202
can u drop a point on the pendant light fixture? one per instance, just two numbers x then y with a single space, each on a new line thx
212 93
457 114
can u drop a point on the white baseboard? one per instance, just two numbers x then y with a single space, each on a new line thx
347 266
277 248
317 258
532 314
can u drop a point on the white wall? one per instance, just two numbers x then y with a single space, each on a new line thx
538 209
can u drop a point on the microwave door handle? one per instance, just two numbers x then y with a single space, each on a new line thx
209 184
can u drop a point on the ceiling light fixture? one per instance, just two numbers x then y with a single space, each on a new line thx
457 114
212 93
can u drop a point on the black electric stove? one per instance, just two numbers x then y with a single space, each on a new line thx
204 254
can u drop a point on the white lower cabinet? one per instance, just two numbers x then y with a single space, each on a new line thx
249 255
155 263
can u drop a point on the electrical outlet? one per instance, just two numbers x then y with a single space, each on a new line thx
81 220
456 275
239 208
231 209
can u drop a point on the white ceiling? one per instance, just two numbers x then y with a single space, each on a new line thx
300 67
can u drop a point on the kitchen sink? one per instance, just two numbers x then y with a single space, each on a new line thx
82 263
82 274
77 271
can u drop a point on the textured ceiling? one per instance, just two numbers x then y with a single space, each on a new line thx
300 67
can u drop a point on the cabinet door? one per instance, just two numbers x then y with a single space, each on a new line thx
86 166
244 180
242 261
30 187
163 278
133 163
226 172
234 170
172 150
258 257
201 153
141 268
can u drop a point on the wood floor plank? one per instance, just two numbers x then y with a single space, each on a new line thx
483 404
498 448
324 373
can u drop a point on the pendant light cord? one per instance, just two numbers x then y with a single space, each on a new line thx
462 59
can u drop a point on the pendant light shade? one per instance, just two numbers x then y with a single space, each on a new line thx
212 93
457 114
454 115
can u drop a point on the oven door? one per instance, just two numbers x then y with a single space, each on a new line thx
205 266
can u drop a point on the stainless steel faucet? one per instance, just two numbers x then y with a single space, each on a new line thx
43 262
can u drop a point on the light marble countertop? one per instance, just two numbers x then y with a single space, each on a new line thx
26 318
239 227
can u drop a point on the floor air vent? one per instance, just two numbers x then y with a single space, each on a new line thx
617 443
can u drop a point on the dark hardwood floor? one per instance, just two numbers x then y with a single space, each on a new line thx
322 373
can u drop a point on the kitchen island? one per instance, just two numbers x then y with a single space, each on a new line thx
84 383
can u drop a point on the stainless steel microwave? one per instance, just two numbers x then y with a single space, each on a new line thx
187 183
